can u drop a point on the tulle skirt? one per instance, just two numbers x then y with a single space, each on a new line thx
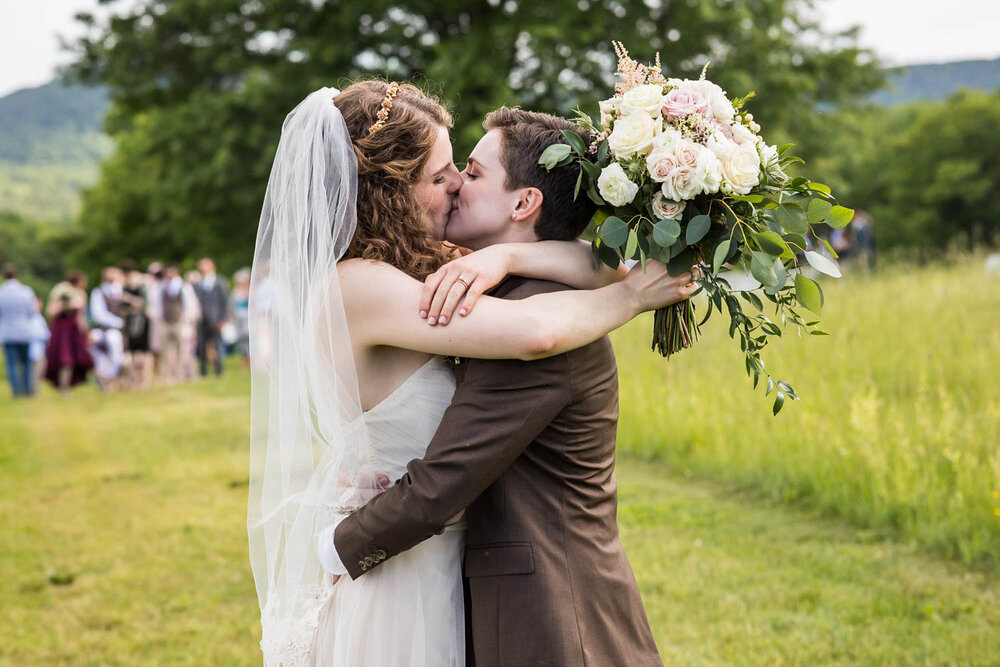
408 611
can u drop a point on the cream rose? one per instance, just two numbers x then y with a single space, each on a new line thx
682 184
660 162
633 135
667 210
720 145
615 187
741 169
645 99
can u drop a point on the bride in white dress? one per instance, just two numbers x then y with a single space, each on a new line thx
350 384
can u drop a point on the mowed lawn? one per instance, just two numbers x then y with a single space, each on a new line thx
122 542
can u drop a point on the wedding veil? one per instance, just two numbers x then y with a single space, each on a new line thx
310 456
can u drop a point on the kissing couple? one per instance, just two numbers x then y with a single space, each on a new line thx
428 489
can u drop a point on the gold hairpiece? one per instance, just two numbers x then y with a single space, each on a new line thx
383 113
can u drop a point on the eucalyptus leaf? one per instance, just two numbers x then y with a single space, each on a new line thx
666 232
575 142
840 216
697 229
681 263
770 243
719 257
602 152
779 402
792 218
818 210
762 269
631 245
823 264
614 232
553 154
808 293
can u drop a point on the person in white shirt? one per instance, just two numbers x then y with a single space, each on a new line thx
17 307
106 339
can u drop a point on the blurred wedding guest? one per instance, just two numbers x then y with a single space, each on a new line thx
67 358
135 300
154 284
214 314
17 308
864 239
191 280
239 308
106 336
40 336
176 308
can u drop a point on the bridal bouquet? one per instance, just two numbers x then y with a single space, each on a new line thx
680 174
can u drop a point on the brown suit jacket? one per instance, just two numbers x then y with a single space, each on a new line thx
529 449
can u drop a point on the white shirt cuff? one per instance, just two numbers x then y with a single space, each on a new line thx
327 551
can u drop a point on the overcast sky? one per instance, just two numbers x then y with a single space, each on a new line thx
901 31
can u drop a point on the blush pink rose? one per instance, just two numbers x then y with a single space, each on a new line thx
680 104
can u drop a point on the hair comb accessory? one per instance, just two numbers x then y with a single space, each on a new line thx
383 113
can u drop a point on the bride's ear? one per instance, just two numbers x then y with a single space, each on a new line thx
529 203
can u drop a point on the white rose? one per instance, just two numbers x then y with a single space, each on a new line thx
643 99
665 210
633 135
741 169
682 184
609 108
669 138
615 187
709 170
720 145
743 135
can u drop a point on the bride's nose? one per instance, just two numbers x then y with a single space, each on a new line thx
454 181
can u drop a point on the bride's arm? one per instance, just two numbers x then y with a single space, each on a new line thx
567 262
379 301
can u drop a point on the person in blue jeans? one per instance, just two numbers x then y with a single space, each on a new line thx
18 306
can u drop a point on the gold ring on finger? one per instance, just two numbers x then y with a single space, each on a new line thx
462 280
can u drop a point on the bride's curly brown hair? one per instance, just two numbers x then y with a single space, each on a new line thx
390 164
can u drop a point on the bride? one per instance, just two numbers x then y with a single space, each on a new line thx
350 382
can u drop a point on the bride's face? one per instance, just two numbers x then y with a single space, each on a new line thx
438 186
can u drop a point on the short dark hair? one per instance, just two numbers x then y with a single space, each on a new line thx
10 272
127 265
75 278
525 135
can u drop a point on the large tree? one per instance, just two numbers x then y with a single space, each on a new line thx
200 87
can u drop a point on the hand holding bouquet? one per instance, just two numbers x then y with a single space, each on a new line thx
680 174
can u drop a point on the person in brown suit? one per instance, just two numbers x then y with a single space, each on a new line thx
527 448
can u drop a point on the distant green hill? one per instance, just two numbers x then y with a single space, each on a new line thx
50 145
938 81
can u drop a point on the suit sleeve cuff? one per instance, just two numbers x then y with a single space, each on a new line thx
327 551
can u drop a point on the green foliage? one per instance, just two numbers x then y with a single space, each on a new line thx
200 88
926 172
37 249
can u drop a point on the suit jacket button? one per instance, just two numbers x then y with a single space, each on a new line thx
368 561
362 565
381 554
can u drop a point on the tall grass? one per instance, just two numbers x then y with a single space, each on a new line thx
900 415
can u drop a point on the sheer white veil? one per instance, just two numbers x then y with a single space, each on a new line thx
310 455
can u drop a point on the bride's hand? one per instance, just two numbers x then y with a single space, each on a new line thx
467 277
656 288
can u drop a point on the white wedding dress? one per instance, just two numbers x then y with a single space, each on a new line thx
409 610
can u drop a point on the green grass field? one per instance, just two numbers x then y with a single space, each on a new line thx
857 528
